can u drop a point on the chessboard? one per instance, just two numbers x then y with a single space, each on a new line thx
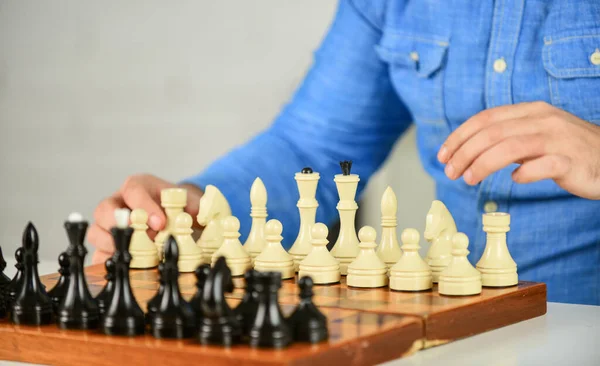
366 326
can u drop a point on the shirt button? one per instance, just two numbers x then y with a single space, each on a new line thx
595 57
414 56
499 65
490 206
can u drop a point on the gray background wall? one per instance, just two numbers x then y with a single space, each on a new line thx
91 92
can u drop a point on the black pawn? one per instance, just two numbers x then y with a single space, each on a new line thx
78 309
152 306
307 322
270 329
32 305
17 281
219 325
123 315
4 282
201 273
246 310
103 298
60 289
174 317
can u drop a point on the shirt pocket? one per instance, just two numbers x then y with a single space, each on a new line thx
573 67
416 65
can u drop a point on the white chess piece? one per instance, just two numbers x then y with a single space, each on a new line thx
497 267
256 239
345 248
307 182
173 200
213 209
274 257
460 277
238 260
190 255
388 250
411 273
142 249
439 230
319 264
367 270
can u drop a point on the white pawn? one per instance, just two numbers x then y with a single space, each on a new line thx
256 239
190 255
411 273
460 277
319 264
497 267
367 270
389 251
274 257
237 259
142 249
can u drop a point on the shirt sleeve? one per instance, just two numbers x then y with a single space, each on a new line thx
345 109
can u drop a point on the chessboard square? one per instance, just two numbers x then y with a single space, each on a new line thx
144 275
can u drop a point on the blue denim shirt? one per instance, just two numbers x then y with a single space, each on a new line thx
386 64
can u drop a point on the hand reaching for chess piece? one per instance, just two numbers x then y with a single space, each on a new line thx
138 191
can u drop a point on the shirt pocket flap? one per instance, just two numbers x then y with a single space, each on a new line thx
425 55
572 57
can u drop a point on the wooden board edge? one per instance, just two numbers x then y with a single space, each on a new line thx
494 313
383 347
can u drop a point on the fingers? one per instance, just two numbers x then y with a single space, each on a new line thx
100 257
135 194
104 213
545 167
480 121
100 238
485 139
509 151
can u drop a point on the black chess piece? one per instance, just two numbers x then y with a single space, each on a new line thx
103 298
201 273
270 328
152 305
307 170
78 309
308 324
60 289
4 282
123 315
174 317
17 281
219 325
32 305
246 310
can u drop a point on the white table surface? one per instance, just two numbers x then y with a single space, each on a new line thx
566 335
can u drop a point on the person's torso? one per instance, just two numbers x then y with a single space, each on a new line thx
450 60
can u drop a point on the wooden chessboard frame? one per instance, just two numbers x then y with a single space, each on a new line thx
366 326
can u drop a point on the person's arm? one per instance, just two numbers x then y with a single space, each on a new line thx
345 109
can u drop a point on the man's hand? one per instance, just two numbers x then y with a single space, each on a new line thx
138 191
548 143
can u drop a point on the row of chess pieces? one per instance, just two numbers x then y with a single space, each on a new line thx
365 262
256 320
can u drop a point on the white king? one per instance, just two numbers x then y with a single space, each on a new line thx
307 182
346 248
